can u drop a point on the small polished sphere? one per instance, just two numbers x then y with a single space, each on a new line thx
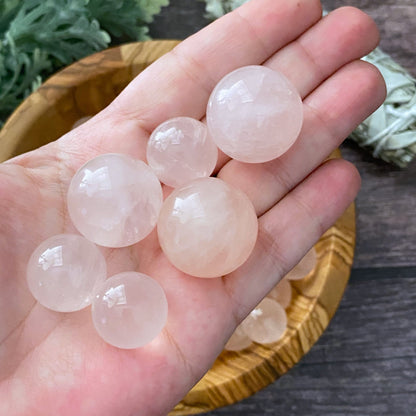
254 114
207 228
129 310
114 200
181 150
304 267
80 121
266 323
63 271
238 340
282 293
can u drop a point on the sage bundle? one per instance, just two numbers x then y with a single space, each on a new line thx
390 132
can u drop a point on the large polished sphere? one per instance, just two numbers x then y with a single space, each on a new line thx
254 114
63 271
207 228
114 200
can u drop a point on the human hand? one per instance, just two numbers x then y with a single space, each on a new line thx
56 364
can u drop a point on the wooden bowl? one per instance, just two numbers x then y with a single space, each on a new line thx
85 88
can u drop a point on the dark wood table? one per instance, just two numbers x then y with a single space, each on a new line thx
365 363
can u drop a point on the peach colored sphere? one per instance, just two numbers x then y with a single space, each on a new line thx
254 114
181 150
129 310
282 293
266 323
207 228
114 200
80 121
238 340
304 267
63 271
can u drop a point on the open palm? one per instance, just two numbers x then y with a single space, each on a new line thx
55 364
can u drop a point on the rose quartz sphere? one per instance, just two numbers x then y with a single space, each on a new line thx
63 271
304 267
238 340
114 200
282 293
180 150
129 310
266 323
254 114
207 228
80 121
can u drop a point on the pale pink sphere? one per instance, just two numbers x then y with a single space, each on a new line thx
254 114
80 121
114 200
282 293
304 267
238 340
266 323
63 271
180 150
129 310
207 228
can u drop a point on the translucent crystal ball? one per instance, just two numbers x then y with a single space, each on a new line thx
266 323
207 228
238 340
304 267
282 293
63 271
254 114
114 200
129 310
180 150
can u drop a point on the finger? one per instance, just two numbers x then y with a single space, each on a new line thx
343 36
180 82
331 112
290 228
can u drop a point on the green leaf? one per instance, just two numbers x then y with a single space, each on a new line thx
38 37
120 19
8 11
150 8
217 8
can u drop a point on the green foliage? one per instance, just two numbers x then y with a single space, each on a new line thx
151 8
121 19
37 37
217 8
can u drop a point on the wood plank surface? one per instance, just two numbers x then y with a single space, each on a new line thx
365 363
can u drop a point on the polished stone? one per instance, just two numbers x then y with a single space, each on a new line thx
282 293
114 200
304 267
238 340
266 323
80 121
129 310
180 150
207 228
63 271
254 114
